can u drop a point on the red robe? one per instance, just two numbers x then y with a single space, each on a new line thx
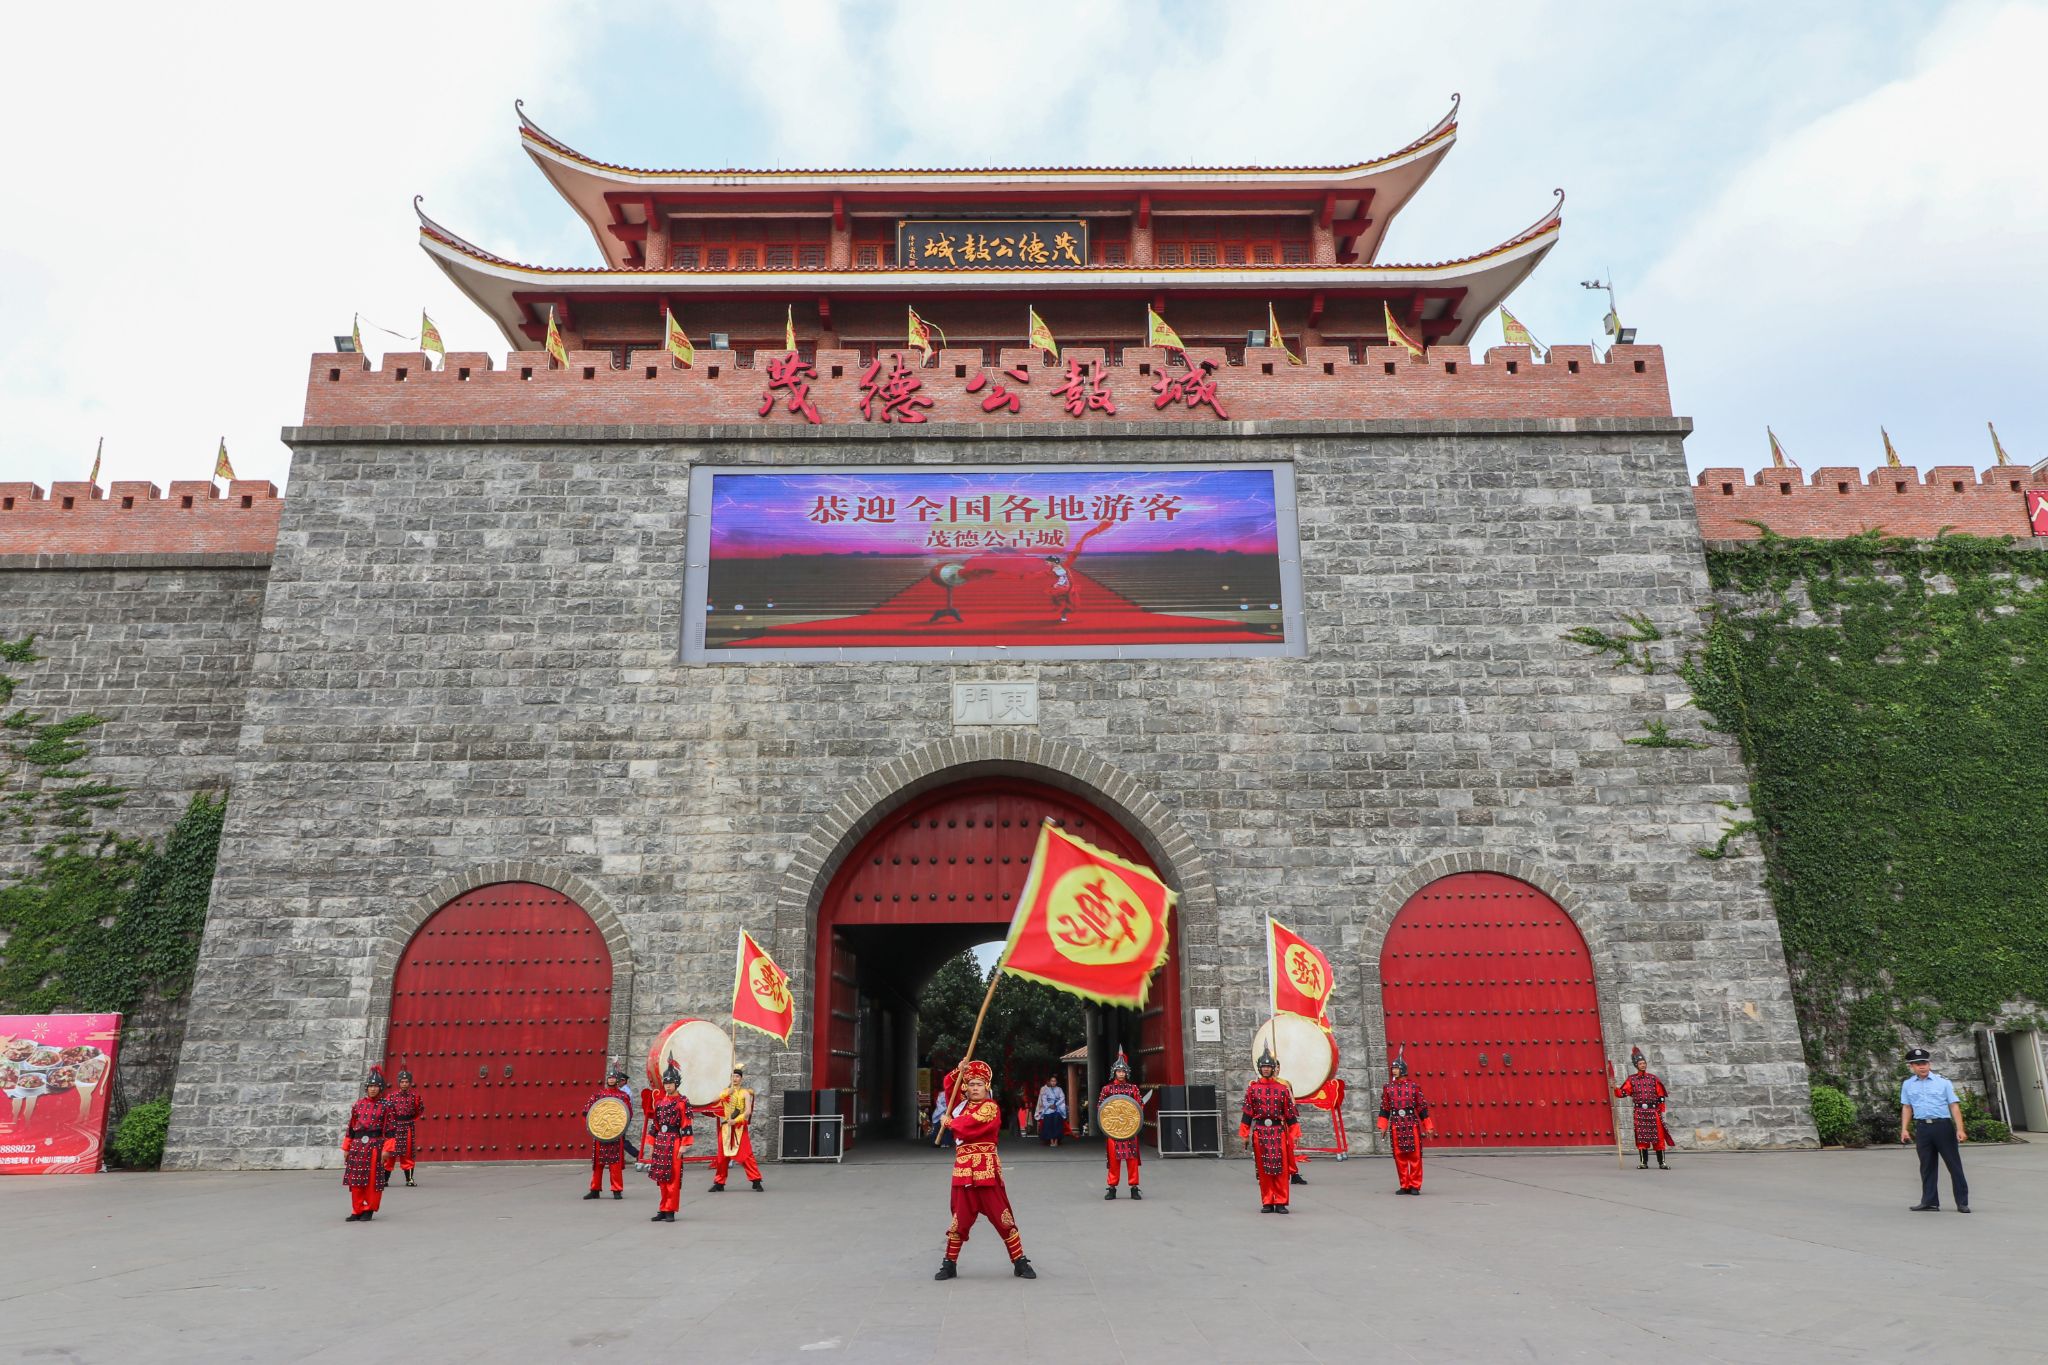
1271 1122
1645 1094
406 1109
978 1179
1122 1150
735 1143
362 1145
667 1134
1404 1114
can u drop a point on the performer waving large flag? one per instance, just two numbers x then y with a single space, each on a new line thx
760 992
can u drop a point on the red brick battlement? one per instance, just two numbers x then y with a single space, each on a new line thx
469 391
134 518
1840 501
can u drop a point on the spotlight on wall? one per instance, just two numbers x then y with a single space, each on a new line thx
346 345
721 341
1256 337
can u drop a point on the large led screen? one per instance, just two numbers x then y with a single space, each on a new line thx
1144 561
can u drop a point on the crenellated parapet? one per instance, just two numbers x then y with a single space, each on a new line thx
1840 501
131 518
968 385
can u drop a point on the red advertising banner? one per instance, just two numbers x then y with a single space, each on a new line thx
54 1074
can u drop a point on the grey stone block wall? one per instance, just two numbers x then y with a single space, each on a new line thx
469 660
159 645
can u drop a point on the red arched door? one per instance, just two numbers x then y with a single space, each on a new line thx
957 857
500 1009
1487 986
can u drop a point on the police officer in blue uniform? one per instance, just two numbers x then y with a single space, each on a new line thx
1931 1118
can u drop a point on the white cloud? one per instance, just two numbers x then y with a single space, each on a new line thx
196 198
1886 263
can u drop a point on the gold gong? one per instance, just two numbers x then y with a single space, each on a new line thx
608 1118
1121 1117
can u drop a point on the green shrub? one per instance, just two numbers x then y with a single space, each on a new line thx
1834 1116
138 1141
1977 1120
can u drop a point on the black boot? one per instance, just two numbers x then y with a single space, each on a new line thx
659 1218
1021 1268
718 1187
368 1214
1295 1179
1660 1162
1642 1158
408 1180
1109 1193
948 1269
618 1194
592 1195
1280 1208
1265 1208
353 1218
1137 1193
760 1188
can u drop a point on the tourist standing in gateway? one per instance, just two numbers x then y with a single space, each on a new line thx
1052 1113
977 1123
1270 1121
1931 1118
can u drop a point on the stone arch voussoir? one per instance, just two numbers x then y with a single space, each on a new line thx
406 918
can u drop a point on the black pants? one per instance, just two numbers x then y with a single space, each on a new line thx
1937 1138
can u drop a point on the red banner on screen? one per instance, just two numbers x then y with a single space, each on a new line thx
55 1070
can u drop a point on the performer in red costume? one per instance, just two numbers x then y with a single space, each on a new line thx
610 1155
363 1142
1122 1151
1645 1093
668 1132
406 1109
735 1106
1271 1123
1404 1118
976 1122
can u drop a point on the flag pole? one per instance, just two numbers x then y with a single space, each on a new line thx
1620 1152
995 975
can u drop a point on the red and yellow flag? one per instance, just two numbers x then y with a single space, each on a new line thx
1040 335
355 331
221 468
1089 923
920 338
677 340
1273 337
1397 335
557 352
430 337
1157 333
1297 971
789 328
760 992
1891 457
99 450
1515 334
1778 460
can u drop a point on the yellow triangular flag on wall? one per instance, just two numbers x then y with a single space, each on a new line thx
1157 333
919 336
356 335
557 352
677 341
789 329
1891 457
2003 458
1040 335
1397 335
1515 334
221 468
94 477
1778 460
430 337
1273 337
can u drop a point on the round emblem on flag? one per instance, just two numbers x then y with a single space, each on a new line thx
1305 973
769 986
1097 920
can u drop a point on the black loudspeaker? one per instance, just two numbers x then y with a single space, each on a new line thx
796 1136
1173 1124
829 1135
1203 1134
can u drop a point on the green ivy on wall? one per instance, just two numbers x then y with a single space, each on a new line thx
1891 700
99 919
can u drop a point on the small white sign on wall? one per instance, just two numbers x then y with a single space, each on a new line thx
1208 1026
997 703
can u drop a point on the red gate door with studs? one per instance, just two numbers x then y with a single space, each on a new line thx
1487 986
500 1008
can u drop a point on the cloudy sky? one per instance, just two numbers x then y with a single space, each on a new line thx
1832 215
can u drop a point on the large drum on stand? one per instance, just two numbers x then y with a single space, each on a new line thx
1307 1051
703 1053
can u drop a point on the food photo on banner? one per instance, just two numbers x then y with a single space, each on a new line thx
1147 561
54 1072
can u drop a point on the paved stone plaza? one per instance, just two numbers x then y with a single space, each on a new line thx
1801 1256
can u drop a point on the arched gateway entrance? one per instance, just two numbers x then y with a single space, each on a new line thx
1488 989
936 877
500 1008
